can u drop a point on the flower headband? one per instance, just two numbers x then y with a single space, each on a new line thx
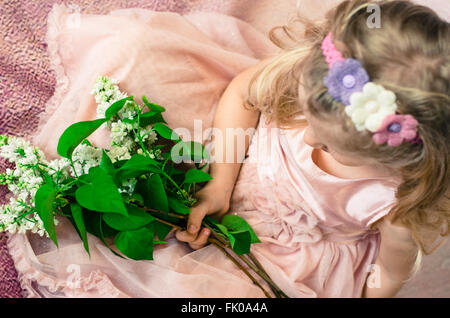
370 106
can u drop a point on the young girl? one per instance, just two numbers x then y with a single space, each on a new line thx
346 177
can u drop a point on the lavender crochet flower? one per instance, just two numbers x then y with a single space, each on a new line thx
345 78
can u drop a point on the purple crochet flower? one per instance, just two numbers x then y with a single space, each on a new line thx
345 78
396 129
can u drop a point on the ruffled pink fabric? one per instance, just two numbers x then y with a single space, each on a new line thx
314 227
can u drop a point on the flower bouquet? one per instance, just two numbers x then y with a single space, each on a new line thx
130 196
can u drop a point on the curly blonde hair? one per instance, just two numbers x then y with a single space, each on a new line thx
410 55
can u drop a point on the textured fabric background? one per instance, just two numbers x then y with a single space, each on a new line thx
27 82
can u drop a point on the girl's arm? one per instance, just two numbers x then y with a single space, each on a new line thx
214 197
231 114
395 261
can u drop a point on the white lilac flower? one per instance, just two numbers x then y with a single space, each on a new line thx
59 168
31 157
21 180
119 131
158 154
23 195
14 149
106 92
151 137
368 108
14 220
77 169
85 157
128 143
119 153
17 173
19 151
129 110
128 186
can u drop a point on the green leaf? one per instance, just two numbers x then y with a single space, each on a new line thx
178 206
77 214
83 179
75 134
150 118
79 131
172 171
216 226
96 226
107 166
44 200
153 107
119 163
47 178
166 132
92 221
116 107
195 175
142 189
161 230
86 142
136 244
159 147
137 197
136 166
235 223
222 228
100 194
158 197
240 242
136 218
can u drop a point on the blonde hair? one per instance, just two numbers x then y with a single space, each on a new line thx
410 55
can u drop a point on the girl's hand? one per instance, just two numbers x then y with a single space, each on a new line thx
215 197
212 199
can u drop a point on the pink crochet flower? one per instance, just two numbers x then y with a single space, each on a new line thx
396 129
332 55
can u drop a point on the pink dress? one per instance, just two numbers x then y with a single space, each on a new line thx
314 227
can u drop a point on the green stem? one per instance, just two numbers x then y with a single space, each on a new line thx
165 162
175 184
261 273
224 243
138 134
22 215
73 168
221 247
253 279
178 216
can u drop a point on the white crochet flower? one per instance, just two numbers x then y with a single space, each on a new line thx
368 108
